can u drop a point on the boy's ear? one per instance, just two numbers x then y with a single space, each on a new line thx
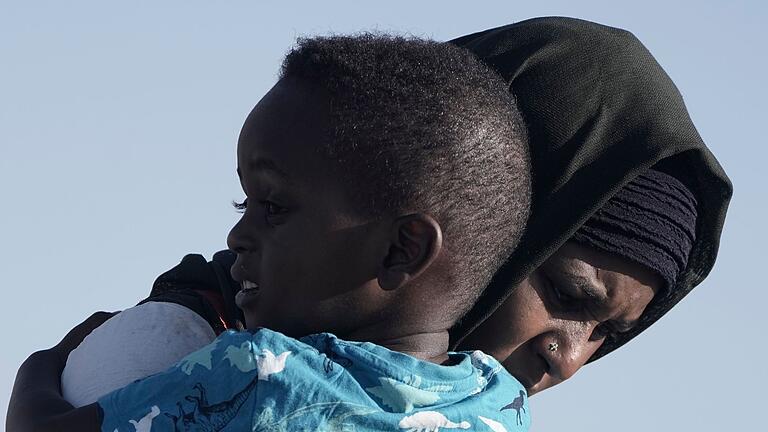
415 242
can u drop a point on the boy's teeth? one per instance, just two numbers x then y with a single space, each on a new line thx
249 285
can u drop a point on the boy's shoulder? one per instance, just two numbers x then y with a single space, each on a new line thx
399 383
321 382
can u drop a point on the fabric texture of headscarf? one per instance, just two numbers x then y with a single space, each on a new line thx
650 221
600 111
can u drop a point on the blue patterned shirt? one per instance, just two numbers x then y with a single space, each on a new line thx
265 381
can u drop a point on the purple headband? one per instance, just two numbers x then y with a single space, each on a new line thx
651 221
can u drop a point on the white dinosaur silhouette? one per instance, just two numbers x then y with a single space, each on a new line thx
202 357
493 424
242 357
145 423
429 421
402 397
269 364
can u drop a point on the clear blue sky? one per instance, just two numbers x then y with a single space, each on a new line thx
118 123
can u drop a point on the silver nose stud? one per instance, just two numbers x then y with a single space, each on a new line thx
553 347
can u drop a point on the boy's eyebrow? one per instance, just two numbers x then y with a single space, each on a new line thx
262 164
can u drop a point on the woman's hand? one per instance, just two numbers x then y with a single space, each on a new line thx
36 401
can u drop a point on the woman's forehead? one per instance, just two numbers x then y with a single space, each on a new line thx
586 260
619 286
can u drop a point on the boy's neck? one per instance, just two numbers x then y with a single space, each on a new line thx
431 346
404 327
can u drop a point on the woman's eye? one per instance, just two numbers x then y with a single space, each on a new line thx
565 301
605 331
563 297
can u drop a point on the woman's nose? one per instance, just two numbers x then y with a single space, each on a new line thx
568 349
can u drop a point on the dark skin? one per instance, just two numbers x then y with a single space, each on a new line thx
577 298
36 402
298 224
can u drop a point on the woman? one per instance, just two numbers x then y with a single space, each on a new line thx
601 112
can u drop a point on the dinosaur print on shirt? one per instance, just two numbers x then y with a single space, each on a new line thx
265 381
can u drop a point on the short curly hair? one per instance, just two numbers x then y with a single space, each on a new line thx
420 125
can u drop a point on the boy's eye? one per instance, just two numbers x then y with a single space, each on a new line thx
273 213
272 209
240 207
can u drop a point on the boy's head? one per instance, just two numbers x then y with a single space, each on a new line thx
386 180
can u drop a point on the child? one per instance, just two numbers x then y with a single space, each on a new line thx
386 179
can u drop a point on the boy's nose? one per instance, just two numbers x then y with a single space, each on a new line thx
239 240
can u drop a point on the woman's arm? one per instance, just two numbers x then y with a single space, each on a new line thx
37 404
36 401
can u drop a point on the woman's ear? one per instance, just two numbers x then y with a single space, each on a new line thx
414 244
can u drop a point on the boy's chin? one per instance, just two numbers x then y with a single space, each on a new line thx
251 323
293 329
255 321
247 299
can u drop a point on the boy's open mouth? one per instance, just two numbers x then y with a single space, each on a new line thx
249 292
247 285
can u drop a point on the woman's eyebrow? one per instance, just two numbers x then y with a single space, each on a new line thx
588 287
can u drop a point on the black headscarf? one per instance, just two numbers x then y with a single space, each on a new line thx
600 111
